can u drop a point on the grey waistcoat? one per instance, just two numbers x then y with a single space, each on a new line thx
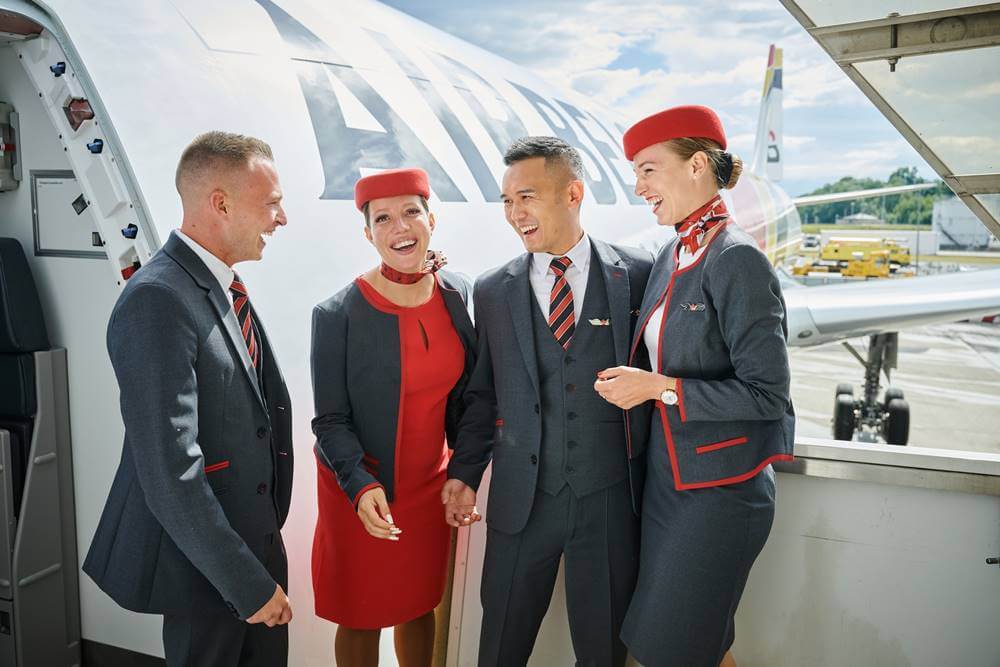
583 442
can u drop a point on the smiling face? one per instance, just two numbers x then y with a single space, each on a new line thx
542 205
674 187
400 229
253 211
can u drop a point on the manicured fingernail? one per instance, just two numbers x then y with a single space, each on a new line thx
394 538
388 517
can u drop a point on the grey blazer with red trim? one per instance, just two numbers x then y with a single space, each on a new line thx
723 336
356 373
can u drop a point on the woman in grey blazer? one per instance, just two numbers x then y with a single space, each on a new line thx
713 321
391 354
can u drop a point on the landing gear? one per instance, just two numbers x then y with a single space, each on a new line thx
844 417
896 425
869 418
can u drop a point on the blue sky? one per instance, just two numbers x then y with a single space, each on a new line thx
640 56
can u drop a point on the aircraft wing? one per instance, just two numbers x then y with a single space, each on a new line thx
861 194
829 313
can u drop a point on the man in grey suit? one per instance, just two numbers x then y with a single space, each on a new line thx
191 527
564 476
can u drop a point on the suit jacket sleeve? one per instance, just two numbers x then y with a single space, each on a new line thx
747 296
474 444
337 444
153 344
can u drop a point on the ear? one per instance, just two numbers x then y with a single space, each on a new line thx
699 164
575 193
430 220
368 234
218 200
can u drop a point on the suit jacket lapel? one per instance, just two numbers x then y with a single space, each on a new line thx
520 301
616 283
221 304
459 312
659 278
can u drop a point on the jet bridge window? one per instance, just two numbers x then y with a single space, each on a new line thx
64 225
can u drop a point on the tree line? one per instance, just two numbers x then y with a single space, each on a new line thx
910 208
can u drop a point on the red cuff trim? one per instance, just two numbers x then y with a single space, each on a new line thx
221 465
720 445
499 422
364 489
680 400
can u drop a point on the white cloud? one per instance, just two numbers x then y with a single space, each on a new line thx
711 53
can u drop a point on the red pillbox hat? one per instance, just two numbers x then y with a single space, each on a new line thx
674 123
391 183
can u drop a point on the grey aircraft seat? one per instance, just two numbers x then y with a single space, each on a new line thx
22 332
39 572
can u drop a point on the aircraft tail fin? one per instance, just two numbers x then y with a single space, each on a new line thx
768 149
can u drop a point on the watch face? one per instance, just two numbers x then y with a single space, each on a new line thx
669 397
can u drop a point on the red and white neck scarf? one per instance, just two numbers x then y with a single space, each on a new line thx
435 260
693 228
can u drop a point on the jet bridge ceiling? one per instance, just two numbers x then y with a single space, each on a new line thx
933 69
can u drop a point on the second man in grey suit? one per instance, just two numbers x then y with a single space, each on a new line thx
564 476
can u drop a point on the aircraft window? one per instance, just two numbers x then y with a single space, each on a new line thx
950 100
824 12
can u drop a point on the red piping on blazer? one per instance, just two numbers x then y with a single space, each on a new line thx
704 449
221 465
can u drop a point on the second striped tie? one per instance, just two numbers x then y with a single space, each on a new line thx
562 321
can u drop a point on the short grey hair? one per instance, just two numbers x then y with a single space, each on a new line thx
553 149
217 149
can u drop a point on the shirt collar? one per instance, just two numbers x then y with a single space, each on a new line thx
578 254
222 272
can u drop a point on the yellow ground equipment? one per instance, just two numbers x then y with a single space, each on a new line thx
843 249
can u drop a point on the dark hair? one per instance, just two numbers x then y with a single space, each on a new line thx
726 166
554 150
367 205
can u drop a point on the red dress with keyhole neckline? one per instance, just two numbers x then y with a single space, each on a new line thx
364 582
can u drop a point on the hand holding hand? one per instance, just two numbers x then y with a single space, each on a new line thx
276 611
373 510
459 502
628 387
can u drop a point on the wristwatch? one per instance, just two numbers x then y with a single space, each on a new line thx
668 397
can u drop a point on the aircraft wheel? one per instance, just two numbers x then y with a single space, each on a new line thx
843 417
891 393
845 388
897 424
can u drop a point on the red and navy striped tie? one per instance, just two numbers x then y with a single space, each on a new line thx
561 318
241 304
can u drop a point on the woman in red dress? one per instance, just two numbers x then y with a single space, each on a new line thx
391 353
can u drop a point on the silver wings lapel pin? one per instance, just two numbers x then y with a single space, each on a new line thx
598 322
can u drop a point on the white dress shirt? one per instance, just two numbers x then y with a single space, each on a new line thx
651 334
543 278
223 273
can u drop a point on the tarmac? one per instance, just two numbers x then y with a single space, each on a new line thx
949 374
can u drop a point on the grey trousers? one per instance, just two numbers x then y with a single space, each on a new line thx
211 636
598 535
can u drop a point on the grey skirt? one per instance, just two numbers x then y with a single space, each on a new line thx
697 550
